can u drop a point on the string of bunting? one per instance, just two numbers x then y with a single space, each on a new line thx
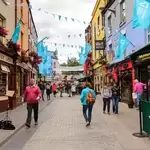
64 45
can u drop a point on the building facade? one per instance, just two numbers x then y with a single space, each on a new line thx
98 43
117 18
7 72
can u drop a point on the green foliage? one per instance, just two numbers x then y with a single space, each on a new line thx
71 62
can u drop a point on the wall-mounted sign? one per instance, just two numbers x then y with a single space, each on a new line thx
143 57
6 58
99 45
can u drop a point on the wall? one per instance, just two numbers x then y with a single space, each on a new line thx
24 23
9 14
98 28
136 36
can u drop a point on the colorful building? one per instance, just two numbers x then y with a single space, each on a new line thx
7 20
98 44
118 19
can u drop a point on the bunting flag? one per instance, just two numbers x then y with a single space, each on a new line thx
15 36
123 43
141 14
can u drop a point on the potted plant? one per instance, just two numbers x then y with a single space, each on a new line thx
14 46
3 32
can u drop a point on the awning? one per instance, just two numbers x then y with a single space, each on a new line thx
5 68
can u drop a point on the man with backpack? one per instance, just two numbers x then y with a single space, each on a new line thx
87 98
106 95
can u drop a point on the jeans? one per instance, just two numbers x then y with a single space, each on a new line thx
138 98
115 100
106 102
87 112
35 107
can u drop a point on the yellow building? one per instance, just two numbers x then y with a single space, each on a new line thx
22 74
97 35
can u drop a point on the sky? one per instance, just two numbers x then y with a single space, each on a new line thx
57 30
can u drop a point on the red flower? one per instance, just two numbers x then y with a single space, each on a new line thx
3 32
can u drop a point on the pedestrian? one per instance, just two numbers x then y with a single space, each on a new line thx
48 90
69 89
138 89
73 89
87 98
115 98
54 89
42 88
32 94
61 87
106 95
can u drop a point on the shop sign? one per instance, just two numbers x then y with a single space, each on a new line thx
99 45
143 57
6 58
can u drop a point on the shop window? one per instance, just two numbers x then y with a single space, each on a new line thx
148 36
3 83
122 12
109 25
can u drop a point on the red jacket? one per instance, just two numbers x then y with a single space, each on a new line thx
31 93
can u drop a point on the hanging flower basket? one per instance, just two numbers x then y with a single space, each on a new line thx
33 54
14 46
38 60
24 57
3 32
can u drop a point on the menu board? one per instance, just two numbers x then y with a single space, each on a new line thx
3 83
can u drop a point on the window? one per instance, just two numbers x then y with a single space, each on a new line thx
3 83
21 39
21 9
148 36
122 12
109 25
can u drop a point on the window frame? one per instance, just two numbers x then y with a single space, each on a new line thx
148 35
6 82
122 11
109 20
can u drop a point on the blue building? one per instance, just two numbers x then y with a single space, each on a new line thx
117 18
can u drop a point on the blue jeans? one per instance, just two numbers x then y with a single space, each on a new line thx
115 104
138 98
87 112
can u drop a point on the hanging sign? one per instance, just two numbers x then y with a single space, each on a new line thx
143 57
99 45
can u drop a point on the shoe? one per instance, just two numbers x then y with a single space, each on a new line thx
104 112
36 123
108 113
87 123
27 125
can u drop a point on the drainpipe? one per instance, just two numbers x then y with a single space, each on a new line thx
14 59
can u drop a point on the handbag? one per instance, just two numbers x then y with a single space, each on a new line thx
134 95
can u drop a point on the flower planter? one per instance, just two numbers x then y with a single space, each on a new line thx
3 32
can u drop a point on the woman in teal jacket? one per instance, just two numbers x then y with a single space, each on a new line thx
87 107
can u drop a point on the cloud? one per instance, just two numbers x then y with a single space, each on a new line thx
48 25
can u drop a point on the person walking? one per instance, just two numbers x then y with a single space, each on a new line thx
48 90
106 95
115 98
54 89
138 89
42 88
61 87
87 98
32 94
69 89
73 89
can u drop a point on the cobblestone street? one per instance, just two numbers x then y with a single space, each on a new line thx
65 130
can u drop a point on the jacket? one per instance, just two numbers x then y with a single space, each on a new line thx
84 93
139 87
31 94
106 92
115 91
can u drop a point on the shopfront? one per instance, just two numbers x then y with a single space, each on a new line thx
141 61
126 81
6 81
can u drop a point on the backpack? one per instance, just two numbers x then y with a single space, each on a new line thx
90 98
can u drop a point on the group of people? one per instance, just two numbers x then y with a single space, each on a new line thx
34 93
